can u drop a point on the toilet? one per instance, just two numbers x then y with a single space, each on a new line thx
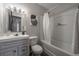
36 49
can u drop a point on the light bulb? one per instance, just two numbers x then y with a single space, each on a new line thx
19 10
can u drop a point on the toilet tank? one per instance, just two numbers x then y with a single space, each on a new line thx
33 40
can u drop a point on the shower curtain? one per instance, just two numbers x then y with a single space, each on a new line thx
46 28
76 45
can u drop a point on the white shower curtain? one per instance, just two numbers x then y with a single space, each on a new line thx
46 27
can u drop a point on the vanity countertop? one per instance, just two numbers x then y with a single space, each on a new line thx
12 37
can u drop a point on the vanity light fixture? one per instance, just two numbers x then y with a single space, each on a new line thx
17 10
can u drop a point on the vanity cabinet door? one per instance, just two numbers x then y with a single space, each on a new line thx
23 50
12 51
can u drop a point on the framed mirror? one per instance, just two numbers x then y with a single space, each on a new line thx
14 22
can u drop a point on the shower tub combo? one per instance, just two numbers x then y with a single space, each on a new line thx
53 50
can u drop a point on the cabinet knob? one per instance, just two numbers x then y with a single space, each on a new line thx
23 50
14 50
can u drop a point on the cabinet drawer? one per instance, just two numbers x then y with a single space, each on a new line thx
12 51
13 43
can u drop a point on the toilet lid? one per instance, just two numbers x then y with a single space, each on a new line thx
37 48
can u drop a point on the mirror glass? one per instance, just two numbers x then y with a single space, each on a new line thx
15 24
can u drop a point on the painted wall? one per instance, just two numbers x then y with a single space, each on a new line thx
1 18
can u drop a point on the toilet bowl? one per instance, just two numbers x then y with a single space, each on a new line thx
36 49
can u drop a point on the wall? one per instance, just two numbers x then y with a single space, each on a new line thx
1 18
63 35
29 8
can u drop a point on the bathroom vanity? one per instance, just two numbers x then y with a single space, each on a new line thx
14 45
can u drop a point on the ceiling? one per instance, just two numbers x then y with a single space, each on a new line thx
57 7
50 6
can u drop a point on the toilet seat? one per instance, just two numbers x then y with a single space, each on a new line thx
37 49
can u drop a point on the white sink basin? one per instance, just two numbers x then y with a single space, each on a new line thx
12 37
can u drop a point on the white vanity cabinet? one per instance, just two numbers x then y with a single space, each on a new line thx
15 48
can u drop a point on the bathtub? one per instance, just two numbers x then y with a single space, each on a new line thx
52 50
